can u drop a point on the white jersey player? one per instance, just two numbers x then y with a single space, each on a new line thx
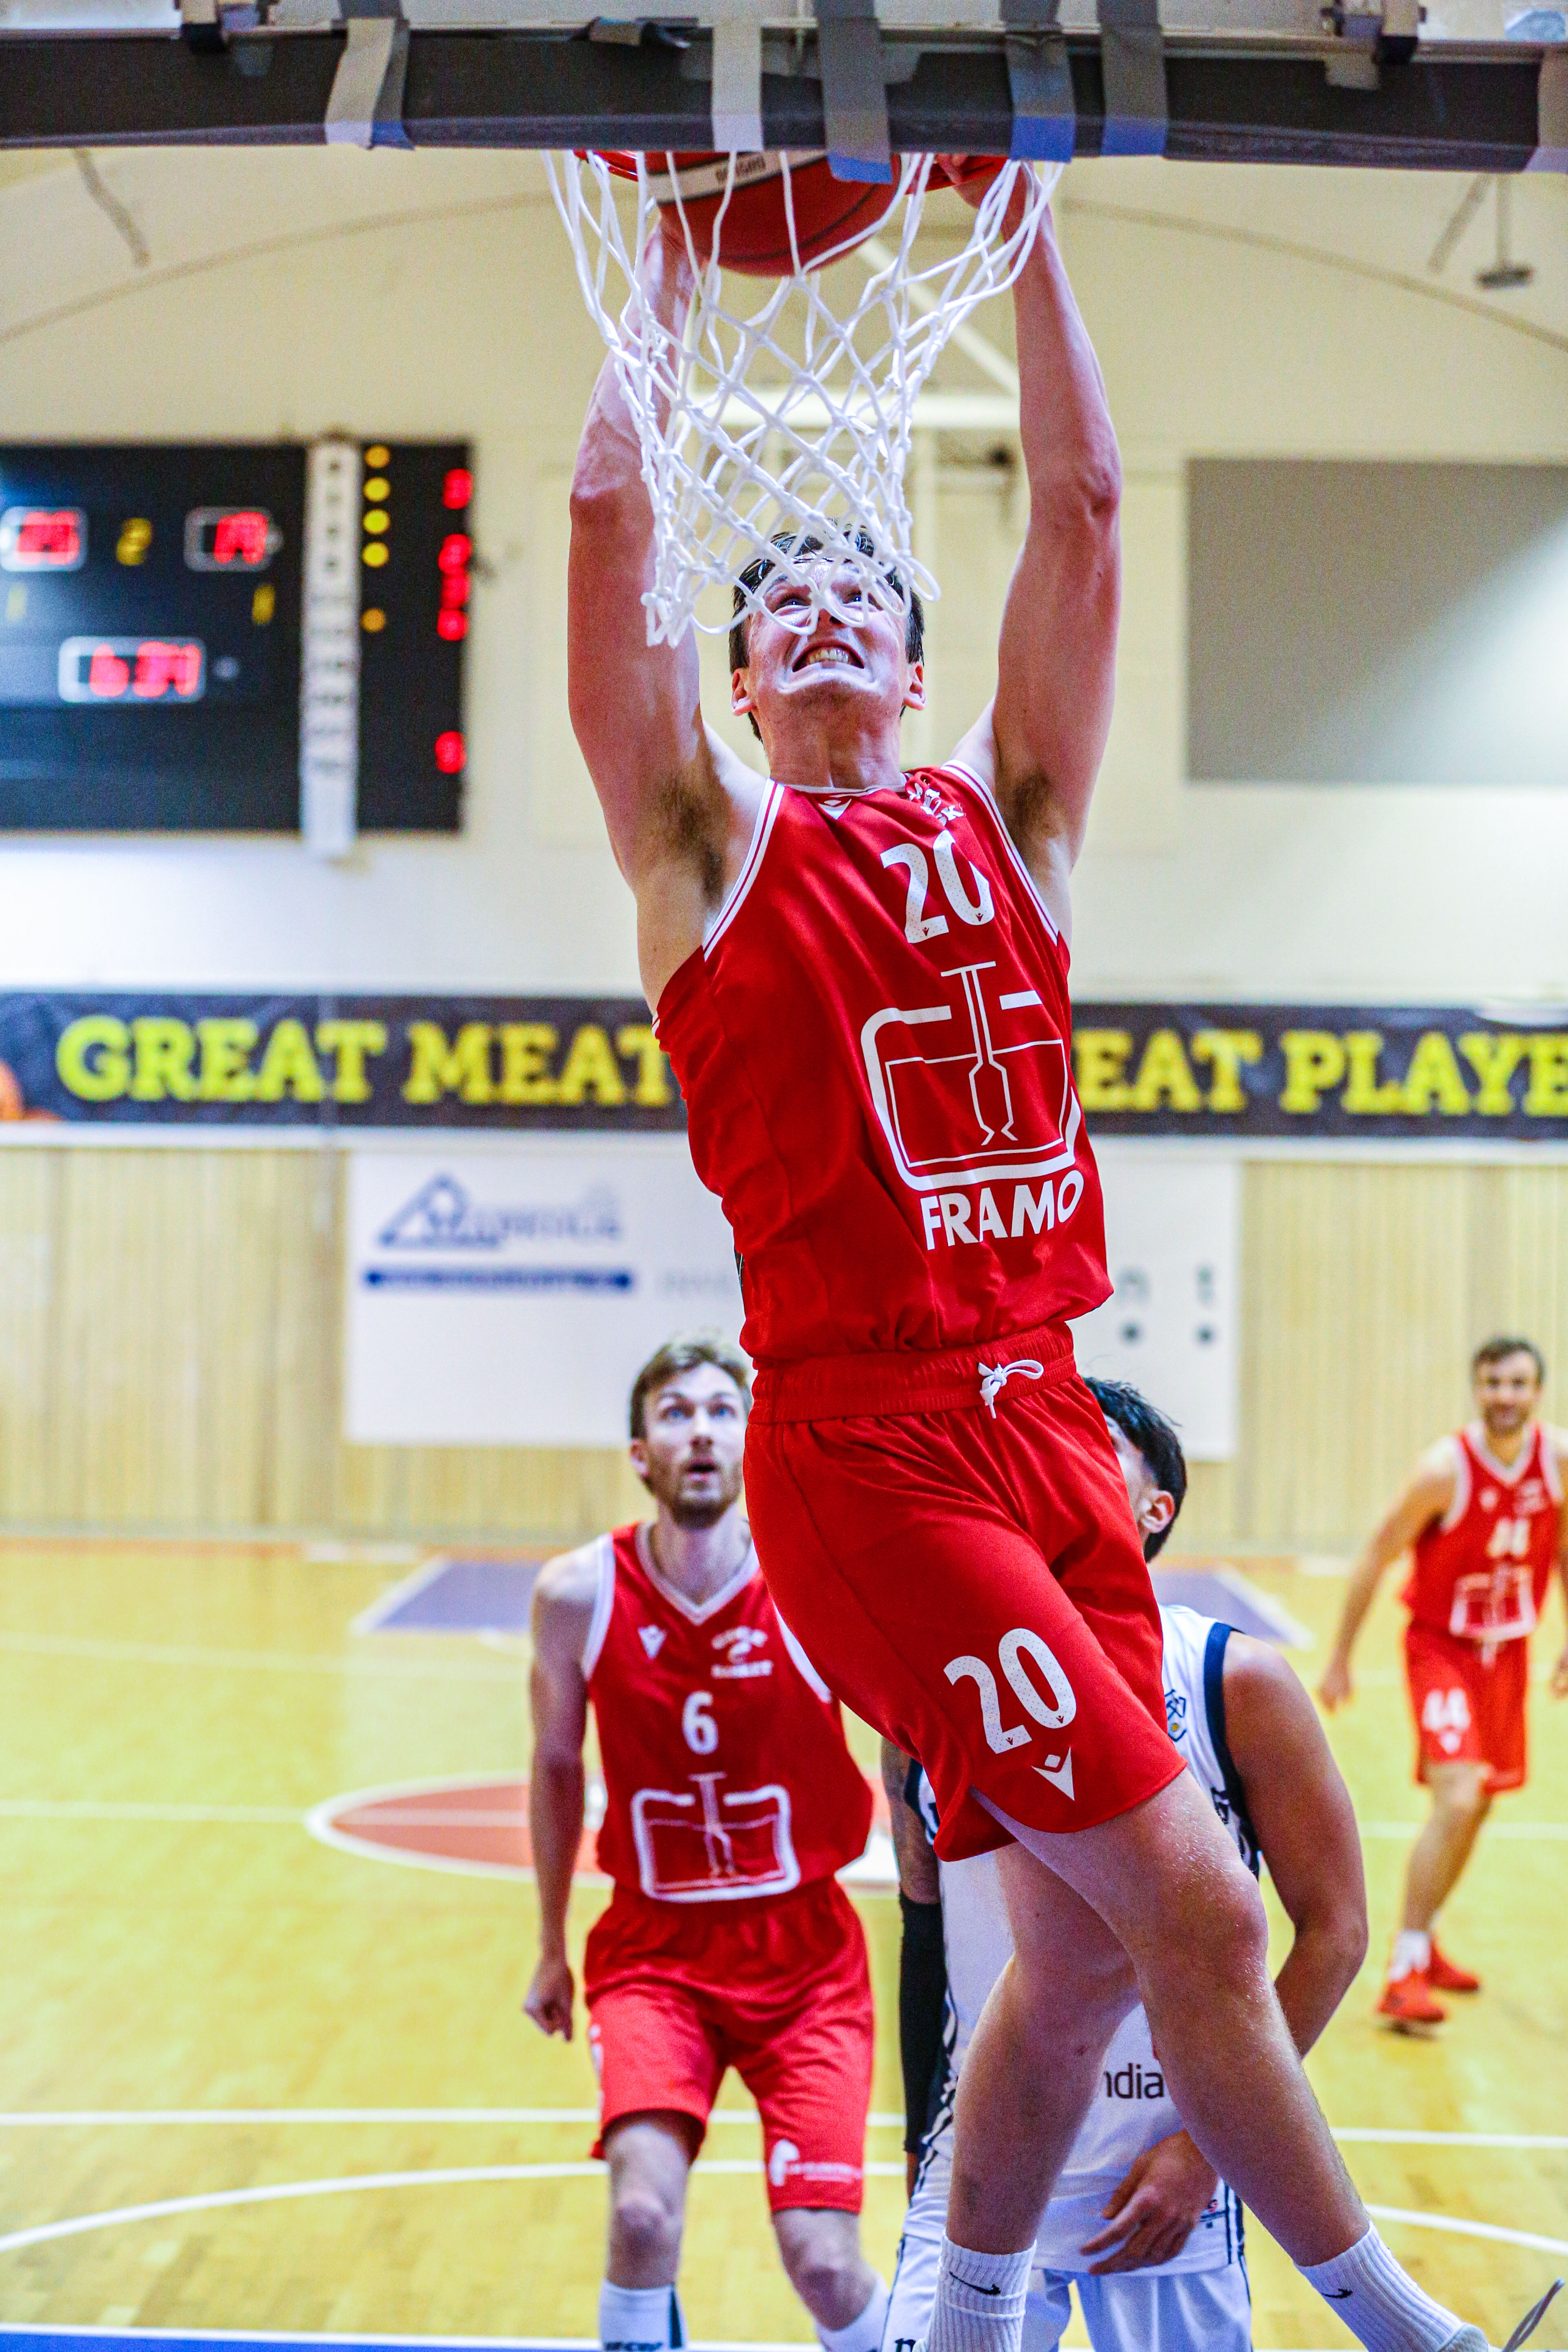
1138 2223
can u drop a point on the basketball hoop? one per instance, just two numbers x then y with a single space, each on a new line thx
789 416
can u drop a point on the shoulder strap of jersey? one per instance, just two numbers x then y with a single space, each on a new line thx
604 1603
1213 1708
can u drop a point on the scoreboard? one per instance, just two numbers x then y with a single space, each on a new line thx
234 637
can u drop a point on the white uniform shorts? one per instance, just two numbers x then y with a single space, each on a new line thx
1130 2311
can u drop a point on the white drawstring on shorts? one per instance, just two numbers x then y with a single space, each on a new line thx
993 1378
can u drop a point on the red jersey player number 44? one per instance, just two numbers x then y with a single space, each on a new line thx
1485 1520
731 1800
860 977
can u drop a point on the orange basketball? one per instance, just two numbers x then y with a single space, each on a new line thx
830 216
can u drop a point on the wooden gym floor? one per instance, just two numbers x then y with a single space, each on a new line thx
214 2019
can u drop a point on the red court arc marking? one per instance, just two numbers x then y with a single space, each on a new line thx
471 1824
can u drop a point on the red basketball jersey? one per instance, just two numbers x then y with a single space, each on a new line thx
726 1772
874 1046
1482 1569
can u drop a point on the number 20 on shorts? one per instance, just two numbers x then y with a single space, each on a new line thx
1013 1648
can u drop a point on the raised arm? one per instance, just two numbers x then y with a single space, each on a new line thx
1306 1829
558 1700
1040 743
1425 1498
668 788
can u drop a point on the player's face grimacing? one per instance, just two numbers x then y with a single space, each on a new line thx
689 1458
1507 1392
859 662
1153 1506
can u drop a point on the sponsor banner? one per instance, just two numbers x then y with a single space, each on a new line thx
153 1060
1301 1073
509 1297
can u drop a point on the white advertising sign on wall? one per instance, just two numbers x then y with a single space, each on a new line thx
1172 1228
509 1298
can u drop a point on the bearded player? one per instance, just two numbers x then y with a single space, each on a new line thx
729 1802
1485 1520
860 977
1137 2223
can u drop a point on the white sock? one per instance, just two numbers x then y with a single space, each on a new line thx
1379 2302
1412 1950
639 2318
979 2300
862 2335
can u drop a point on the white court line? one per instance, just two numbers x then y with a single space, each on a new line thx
371 1664
91 2118
96 2118
280 2192
84 1809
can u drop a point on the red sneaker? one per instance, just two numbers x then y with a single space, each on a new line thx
1407 2000
1444 1977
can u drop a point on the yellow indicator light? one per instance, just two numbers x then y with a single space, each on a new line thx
264 603
378 455
15 602
377 521
372 618
375 553
377 488
135 538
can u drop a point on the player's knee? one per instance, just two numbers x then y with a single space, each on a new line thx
825 2266
1465 1799
643 2227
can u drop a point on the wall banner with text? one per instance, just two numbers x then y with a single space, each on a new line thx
1305 1073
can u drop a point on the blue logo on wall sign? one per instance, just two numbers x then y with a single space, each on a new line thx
443 1216
499 1277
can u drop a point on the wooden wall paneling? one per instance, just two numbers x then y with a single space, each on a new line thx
29 1185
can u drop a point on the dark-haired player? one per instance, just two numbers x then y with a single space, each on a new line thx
860 977
1138 2223
729 1802
1485 1520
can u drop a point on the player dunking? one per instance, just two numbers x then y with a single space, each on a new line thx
1485 1520
730 1801
860 977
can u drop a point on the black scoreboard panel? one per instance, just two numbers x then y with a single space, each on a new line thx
152 605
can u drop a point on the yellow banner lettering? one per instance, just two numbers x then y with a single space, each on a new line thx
1165 1075
1433 1081
437 1068
225 1075
1494 1060
526 1047
591 1068
1100 1061
93 1057
289 1066
1314 1064
1366 1091
164 1050
653 1088
353 1042
1225 1050
1547 1095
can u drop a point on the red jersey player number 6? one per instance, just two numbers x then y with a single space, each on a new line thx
731 1801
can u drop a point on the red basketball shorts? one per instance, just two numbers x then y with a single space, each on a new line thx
961 1564
776 1988
1468 1711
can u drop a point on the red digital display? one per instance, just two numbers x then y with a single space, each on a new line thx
458 488
43 539
451 753
132 669
230 538
457 552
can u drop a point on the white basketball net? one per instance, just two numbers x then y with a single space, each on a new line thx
785 417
